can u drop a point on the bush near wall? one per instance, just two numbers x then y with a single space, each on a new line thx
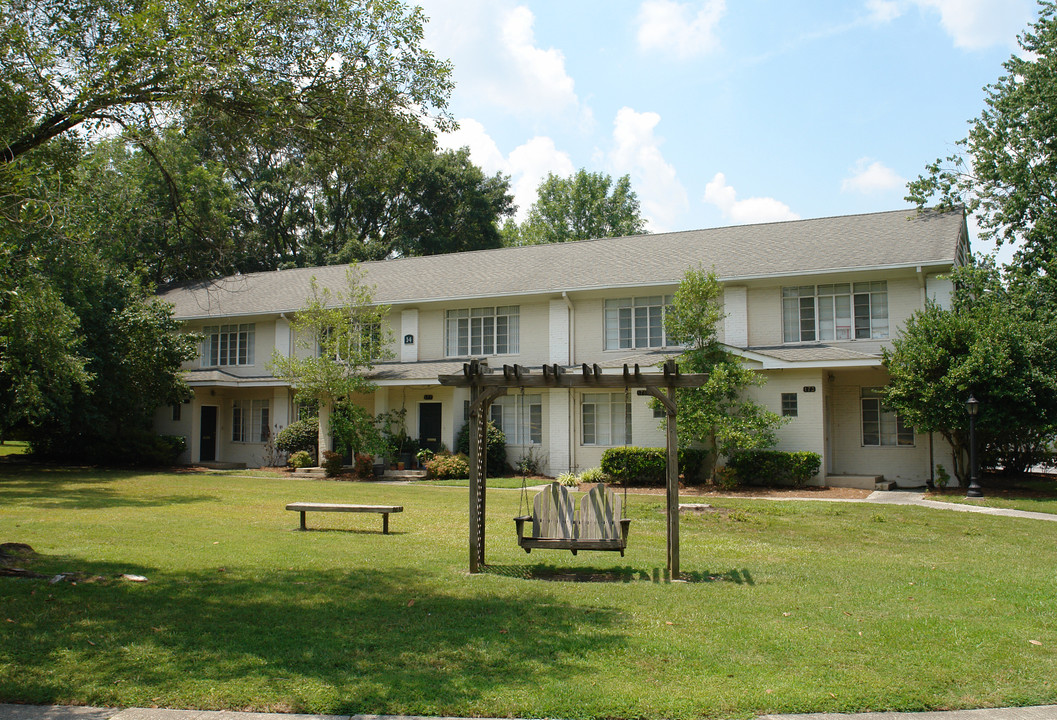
646 465
775 467
298 436
448 467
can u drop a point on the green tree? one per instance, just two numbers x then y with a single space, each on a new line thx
1006 171
717 415
450 205
326 71
581 207
998 344
339 338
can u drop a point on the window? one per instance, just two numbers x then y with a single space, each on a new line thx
520 417
636 322
482 331
228 345
881 425
250 421
176 412
789 408
606 419
369 337
839 311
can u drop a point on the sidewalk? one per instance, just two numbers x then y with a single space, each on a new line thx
60 712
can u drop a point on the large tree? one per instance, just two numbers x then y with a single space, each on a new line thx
719 415
583 206
996 343
1006 171
328 70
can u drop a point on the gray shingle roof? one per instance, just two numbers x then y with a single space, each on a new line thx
897 238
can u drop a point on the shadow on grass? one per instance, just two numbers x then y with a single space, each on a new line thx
72 488
361 641
626 574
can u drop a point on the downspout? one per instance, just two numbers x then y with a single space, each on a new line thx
569 391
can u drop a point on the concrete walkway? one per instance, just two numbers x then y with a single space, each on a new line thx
60 712
910 497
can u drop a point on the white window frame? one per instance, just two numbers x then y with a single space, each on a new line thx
225 345
520 417
790 405
881 426
256 428
635 322
835 312
482 331
602 424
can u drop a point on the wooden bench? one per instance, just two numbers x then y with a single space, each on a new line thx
304 507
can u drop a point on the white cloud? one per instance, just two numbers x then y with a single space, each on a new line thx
527 164
636 151
872 177
748 211
493 47
882 11
673 27
978 24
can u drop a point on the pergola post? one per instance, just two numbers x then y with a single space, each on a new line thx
476 486
672 488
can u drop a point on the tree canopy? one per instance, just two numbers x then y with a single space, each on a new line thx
1006 171
583 206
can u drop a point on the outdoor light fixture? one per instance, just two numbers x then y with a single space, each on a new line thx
972 406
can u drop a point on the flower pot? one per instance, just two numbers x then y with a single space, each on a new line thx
400 466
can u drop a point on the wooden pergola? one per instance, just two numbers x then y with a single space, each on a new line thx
486 385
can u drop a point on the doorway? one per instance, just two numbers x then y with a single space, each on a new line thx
207 447
429 425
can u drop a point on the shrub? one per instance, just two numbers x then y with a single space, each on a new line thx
594 475
364 465
301 435
943 478
332 463
648 466
774 467
726 478
300 459
568 479
448 467
496 446
530 463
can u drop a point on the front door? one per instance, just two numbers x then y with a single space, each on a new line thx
429 425
207 448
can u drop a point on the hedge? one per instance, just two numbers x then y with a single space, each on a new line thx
645 466
774 467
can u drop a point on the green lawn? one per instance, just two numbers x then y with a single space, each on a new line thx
791 606
1035 494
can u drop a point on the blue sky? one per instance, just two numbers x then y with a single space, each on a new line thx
722 111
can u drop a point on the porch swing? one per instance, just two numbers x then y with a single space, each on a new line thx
599 524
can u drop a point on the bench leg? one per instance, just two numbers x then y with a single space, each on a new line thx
303 520
385 523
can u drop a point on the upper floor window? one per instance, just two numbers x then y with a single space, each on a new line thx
839 311
606 419
363 342
881 425
636 322
520 417
249 421
482 331
228 345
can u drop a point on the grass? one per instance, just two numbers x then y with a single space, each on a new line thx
1036 493
13 447
790 607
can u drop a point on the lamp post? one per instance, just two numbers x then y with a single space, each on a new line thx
972 406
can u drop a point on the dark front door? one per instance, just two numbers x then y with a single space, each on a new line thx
429 425
207 449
